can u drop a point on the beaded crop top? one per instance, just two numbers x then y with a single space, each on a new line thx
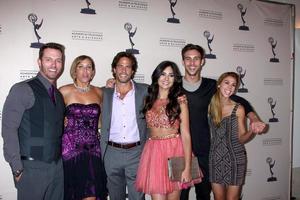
156 117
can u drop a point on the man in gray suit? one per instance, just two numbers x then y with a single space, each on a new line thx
123 131
32 127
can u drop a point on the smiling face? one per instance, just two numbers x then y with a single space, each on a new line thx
192 62
123 70
166 79
228 86
51 64
84 71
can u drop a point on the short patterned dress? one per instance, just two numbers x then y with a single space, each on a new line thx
152 175
227 157
83 168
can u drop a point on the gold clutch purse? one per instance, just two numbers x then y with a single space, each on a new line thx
176 166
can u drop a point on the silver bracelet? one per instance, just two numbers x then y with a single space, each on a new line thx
99 133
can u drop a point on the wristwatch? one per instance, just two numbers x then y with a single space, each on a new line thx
17 173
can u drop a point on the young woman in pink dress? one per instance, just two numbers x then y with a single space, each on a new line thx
167 117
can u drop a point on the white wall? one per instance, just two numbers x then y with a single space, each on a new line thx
158 40
296 122
296 129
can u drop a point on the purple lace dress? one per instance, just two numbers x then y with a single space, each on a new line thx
83 168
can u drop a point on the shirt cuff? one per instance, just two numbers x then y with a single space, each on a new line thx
16 165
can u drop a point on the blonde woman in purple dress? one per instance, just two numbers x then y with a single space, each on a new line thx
83 168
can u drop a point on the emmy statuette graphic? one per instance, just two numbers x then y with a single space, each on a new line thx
243 13
239 70
33 19
173 19
128 28
209 41
273 46
88 10
269 160
272 106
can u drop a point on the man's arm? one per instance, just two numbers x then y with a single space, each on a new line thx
247 106
256 124
18 100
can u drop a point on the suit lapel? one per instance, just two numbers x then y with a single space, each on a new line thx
138 106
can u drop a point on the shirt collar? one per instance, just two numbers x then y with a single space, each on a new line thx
129 93
44 81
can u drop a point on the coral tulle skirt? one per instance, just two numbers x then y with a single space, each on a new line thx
152 175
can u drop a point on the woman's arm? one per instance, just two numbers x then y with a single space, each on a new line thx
66 93
244 134
186 140
256 125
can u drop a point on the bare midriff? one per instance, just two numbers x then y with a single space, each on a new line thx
163 133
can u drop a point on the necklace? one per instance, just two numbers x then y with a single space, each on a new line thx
82 89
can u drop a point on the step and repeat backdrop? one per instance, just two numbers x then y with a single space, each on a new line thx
253 38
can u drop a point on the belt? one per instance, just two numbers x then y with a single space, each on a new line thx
162 137
124 146
27 158
35 159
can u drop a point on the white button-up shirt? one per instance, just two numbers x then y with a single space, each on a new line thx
123 126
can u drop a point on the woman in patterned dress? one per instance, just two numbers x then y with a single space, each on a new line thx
84 173
227 157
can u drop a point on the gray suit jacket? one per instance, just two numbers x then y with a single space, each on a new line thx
140 94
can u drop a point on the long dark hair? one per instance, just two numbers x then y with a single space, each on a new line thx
173 109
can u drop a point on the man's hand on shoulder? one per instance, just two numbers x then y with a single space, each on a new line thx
110 83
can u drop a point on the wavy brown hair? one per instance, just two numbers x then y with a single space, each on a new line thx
215 108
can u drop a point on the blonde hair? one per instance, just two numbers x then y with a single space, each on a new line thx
75 64
215 108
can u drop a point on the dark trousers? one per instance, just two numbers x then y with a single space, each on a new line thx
202 189
41 181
